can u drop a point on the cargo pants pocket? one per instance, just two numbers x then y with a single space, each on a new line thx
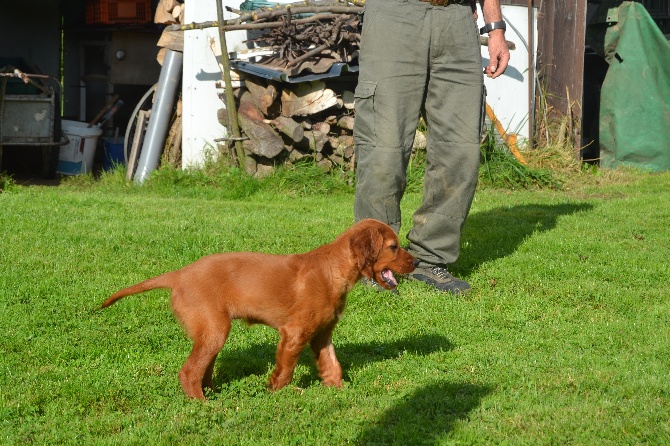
364 121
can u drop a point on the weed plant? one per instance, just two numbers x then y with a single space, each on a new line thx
6 182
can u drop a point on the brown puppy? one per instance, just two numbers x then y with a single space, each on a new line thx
300 295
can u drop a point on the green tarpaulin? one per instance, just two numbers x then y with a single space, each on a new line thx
634 113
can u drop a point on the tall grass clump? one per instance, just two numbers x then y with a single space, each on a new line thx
6 182
500 169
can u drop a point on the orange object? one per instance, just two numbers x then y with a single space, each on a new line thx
510 140
109 12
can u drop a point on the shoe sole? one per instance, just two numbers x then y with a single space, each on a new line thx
455 290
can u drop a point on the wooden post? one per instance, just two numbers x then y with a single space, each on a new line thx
230 97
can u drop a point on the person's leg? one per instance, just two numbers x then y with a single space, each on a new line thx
389 96
454 118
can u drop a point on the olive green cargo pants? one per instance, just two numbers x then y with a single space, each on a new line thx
416 57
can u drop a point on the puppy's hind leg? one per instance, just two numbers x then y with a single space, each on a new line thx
196 373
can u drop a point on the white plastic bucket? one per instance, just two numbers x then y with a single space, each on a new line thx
77 157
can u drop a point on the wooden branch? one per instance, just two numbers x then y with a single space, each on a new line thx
233 124
272 13
276 24
138 139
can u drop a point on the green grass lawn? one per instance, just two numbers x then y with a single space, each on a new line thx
564 339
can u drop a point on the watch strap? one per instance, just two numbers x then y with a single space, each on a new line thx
491 26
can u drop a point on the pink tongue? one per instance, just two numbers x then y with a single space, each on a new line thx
387 274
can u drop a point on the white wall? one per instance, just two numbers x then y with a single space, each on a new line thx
508 94
200 98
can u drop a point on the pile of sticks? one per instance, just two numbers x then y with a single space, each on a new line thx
297 40
300 31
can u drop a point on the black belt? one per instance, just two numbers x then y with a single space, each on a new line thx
447 2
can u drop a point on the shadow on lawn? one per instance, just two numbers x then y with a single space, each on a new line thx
426 415
498 232
256 359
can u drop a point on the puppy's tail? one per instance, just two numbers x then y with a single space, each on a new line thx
163 281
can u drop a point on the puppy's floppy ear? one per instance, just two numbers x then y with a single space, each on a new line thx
366 245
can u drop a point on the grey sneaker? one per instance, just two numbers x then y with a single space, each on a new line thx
373 285
440 278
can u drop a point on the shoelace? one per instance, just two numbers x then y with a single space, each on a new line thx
442 273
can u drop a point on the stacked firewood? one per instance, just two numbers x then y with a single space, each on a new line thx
292 123
288 123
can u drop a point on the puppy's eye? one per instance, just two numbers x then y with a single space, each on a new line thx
393 247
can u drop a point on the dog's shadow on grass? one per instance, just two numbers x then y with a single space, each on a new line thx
498 232
235 365
427 414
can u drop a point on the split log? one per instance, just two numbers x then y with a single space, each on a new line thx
333 141
263 96
307 99
264 168
325 164
346 122
314 141
173 156
322 127
178 13
249 161
348 99
172 40
262 137
290 128
164 12
419 140
345 146
263 140
336 159
295 156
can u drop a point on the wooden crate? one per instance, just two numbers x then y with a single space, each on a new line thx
109 12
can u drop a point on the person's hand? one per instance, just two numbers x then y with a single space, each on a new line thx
498 54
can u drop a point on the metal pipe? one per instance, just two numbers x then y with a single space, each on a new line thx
154 139
531 77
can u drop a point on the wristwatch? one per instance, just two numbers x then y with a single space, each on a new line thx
491 26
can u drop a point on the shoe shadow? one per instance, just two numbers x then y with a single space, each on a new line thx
426 415
498 232
259 358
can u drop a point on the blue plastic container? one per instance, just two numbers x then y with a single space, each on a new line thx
113 153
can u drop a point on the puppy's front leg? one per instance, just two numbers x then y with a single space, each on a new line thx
329 367
290 346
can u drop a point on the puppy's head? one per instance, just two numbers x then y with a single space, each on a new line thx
378 253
